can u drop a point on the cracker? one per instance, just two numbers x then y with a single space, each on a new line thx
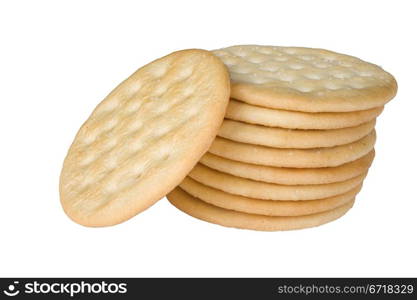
230 218
144 137
305 79
290 176
270 191
264 207
292 138
241 111
293 158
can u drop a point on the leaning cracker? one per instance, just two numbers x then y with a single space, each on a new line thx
305 79
271 191
230 218
293 158
144 137
264 207
292 138
290 176
241 111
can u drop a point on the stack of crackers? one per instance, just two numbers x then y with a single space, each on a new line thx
296 143
254 137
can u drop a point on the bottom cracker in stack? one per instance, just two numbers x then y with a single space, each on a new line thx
231 218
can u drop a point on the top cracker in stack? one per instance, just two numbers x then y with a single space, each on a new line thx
305 79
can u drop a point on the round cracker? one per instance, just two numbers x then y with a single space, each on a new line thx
264 207
230 218
241 111
292 138
290 176
305 79
293 158
270 191
144 137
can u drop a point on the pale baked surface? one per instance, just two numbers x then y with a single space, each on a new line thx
144 137
292 138
264 207
270 191
241 111
230 218
291 176
305 79
293 158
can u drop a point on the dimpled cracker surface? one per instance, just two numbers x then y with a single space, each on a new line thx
241 111
305 79
270 191
292 138
293 158
144 137
230 218
264 207
290 176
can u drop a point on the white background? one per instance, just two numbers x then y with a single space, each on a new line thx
59 59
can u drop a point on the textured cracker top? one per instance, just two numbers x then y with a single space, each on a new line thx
305 79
